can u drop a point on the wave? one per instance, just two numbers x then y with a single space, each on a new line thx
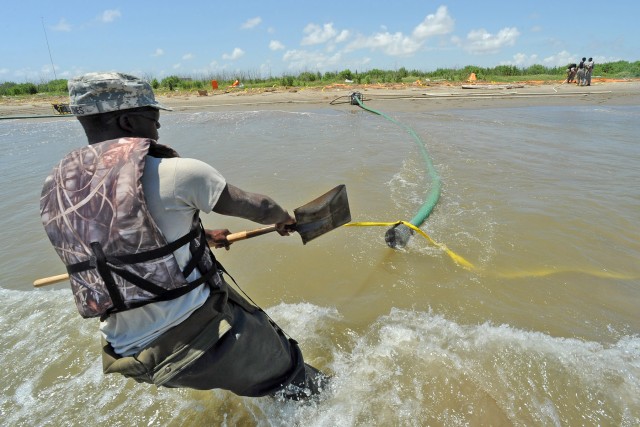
405 368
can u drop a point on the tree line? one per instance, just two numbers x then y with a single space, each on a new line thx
500 73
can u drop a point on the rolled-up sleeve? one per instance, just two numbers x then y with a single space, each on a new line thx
198 184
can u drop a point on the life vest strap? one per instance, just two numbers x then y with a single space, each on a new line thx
196 257
105 273
136 258
140 282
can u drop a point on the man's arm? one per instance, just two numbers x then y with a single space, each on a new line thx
252 206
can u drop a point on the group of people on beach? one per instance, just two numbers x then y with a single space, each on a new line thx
580 74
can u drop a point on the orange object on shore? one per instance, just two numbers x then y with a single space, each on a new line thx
235 84
214 84
472 77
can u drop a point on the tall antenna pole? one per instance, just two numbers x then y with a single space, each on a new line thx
49 49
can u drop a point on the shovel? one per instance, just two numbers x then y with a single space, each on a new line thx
319 216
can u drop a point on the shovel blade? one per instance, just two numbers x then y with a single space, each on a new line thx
326 213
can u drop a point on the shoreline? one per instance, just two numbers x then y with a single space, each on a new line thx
396 98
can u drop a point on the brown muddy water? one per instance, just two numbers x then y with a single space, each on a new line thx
543 330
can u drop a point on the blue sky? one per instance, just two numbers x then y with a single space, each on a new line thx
201 38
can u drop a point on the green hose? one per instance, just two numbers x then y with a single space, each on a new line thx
398 236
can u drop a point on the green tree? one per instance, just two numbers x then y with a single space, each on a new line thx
345 74
170 82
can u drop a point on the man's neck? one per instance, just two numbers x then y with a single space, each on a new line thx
105 136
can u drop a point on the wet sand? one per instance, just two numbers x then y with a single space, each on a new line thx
401 98
417 98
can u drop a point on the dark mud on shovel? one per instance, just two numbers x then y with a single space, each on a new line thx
326 213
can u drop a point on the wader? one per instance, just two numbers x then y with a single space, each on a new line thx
227 344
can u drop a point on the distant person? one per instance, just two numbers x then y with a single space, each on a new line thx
588 71
571 72
581 72
123 215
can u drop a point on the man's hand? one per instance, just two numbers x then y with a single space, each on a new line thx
287 226
218 238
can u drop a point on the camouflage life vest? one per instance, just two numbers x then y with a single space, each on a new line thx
94 212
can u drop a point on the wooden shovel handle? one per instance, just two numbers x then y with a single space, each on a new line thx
242 235
233 237
50 280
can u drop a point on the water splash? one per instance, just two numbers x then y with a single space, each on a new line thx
406 368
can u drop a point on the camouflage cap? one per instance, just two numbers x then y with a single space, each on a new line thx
96 93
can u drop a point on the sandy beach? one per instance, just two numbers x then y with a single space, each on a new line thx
428 96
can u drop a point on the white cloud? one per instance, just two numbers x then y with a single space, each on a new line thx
315 34
564 58
560 59
4 71
110 15
275 45
522 60
25 73
62 25
237 53
176 66
158 52
302 60
187 56
251 23
399 44
265 69
343 36
482 42
395 44
390 43
436 24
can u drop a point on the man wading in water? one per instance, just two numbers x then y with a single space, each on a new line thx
122 213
